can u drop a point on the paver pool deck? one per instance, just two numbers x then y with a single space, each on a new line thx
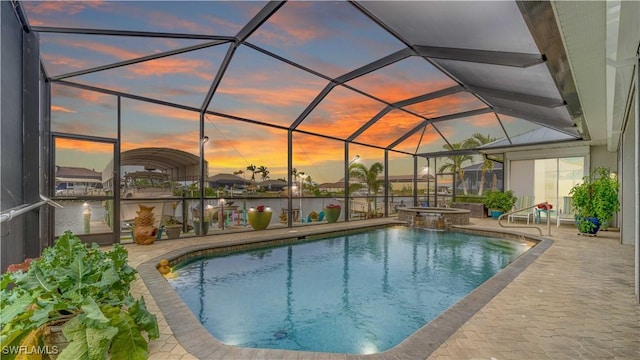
575 301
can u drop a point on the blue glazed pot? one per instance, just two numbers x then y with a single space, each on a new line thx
495 214
592 220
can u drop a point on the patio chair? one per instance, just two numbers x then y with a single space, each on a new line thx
524 201
567 213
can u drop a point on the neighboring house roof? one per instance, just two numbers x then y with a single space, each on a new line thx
405 178
76 173
397 178
334 185
478 167
227 179
273 184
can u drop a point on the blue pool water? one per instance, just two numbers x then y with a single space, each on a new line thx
359 293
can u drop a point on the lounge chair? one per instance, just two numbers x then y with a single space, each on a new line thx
566 213
521 203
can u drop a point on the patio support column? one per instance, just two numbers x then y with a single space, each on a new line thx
201 143
415 180
637 174
428 182
30 138
386 183
346 181
117 224
290 178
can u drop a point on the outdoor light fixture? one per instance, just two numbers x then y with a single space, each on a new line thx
221 219
301 176
205 139
355 158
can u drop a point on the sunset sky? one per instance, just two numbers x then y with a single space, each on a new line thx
329 38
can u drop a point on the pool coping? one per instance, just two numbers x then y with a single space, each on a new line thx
195 339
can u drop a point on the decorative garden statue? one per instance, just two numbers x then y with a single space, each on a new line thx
144 233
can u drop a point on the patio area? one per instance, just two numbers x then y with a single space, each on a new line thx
575 301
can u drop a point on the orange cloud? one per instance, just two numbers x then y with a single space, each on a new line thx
341 113
84 146
393 88
153 110
158 67
483 120
263 91
388 129
83 95
61 109
59 61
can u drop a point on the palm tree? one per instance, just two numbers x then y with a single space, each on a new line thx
264 173
456 163
474 141
252 168
369 177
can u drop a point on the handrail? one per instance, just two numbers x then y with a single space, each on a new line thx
544 204
8 215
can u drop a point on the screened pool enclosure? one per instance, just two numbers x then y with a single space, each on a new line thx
207 109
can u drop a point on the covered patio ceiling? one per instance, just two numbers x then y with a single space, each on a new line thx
416 77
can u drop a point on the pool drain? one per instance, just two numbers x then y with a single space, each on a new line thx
280 334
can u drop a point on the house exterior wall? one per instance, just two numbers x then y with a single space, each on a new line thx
628 181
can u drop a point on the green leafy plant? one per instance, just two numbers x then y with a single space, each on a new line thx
499 200
595 197
87 292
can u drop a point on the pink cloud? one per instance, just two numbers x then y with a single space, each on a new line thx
63 7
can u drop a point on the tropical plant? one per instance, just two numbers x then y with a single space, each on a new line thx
370 177
264 172
475 141
253 169
595 197
456 162
500 200
87 292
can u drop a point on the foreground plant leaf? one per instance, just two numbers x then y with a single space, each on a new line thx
86 343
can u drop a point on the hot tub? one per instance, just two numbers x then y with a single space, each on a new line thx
434 217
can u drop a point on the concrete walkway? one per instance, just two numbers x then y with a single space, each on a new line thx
575 301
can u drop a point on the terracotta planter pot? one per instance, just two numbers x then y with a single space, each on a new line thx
332 214
173 231
259 220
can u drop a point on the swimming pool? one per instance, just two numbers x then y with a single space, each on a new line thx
358 293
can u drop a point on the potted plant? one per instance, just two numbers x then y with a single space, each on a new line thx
313 216
82 292
499 202
196 226
260 217
332 212
172 227
595 200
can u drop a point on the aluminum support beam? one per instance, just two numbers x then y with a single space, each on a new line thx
503 58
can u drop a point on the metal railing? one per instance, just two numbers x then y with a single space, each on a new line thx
8 215
545 205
